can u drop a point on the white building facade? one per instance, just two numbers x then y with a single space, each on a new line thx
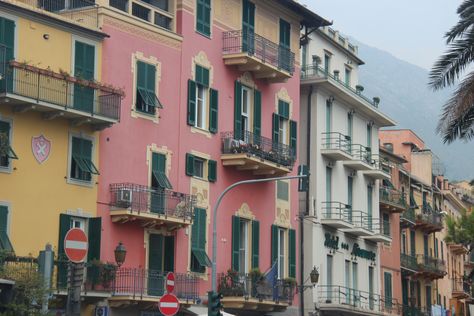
339 142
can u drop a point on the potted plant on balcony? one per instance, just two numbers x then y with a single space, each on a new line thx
359 89
336 75
376 101
289 285
100 274
230 284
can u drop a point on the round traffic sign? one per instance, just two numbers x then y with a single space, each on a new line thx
168 305
75 245
170 282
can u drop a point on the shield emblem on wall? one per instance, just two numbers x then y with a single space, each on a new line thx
41 147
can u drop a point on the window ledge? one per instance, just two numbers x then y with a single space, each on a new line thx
7 170
205 35
87 184
151 117
198 130
203 276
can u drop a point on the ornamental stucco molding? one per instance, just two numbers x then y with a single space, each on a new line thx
245 212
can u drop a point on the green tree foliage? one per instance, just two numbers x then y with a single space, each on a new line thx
461 230
457 117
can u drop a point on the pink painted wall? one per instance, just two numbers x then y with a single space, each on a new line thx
123 146
397 138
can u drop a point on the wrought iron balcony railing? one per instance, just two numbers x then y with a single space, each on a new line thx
393 197
335 140
431 217
337 211
70 93
235 284
415 311
431 264
143 199
408 262
408 215
361 300
362 153
139 283
258 146
317 72
363 220
237 41
80 11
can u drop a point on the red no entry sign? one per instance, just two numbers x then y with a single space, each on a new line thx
170 282
168 305
75 245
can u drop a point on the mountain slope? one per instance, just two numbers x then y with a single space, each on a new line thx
406 98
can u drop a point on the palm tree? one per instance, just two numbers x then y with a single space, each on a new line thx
457 116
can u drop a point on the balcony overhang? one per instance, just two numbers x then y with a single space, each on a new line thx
332 309
459 294
336 223
239 304
376 174
428 227
457 249
391 206
336 154
143 301
259 68
358 165
148 220
359 231
258 166
379 238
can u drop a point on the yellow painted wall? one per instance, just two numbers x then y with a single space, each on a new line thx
38 193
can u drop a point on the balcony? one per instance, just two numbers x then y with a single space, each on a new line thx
336 215
82 12
408 218
142 287
457 249
150 207
460 289
429 220
336 146
392 200
409 262
257 294
361 158
381 232
315 75
340 300
430 268
257 154
255 53
362 224
380 169
415 311
54 95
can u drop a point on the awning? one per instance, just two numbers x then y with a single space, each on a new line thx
149 98
85 164
201 257
162 180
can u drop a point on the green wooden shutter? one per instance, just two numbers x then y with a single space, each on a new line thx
293 137
292 253
235 242
155 252
202 229
3 218
388 289
195 229
212 170
189 165
94 236
276 128
238 110
213 107
284 109
203 18
202 76
191 102
255 244
257 113
150 78
274 252
168 264
141 75
7 37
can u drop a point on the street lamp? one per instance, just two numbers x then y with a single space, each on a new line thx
120 253
313 278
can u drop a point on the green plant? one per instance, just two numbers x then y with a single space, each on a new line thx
290 281
100 272
255 274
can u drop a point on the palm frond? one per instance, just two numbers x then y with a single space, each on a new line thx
457 117
450 65
464 8
466 14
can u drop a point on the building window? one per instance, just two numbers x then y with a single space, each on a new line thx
81 166
388 289
160 259
281 253
386 224
283 190
327 63
347 77
247 113
284 251
329 271
201 168
203 17
202 101
146 99
284 129
199 257
245 244
6 151
5 244
328 184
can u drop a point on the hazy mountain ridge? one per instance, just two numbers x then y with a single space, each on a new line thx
405 96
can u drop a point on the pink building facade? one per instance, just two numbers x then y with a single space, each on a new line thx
212 98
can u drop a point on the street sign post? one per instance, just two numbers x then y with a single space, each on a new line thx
168 305
75 245
170 282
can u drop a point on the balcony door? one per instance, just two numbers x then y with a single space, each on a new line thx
84 68
248 27
284 51
158 169
160 261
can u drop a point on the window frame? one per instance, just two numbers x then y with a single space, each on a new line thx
247 122
9 167
205 107
70 179
282 254
202 161
244 249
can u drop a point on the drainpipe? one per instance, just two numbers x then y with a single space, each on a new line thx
306 211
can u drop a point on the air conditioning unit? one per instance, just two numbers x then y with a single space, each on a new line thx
124 198
101 311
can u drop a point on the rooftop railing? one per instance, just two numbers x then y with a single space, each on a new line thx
392 196
258 146
235 284
143 199
335 140
263 49
315 71
356 299
42 85
80 11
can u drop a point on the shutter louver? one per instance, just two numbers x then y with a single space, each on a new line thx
235 242
255 244
213 108
238 111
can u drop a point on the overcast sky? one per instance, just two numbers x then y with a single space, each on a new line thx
412 30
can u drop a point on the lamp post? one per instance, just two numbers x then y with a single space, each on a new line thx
313 278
